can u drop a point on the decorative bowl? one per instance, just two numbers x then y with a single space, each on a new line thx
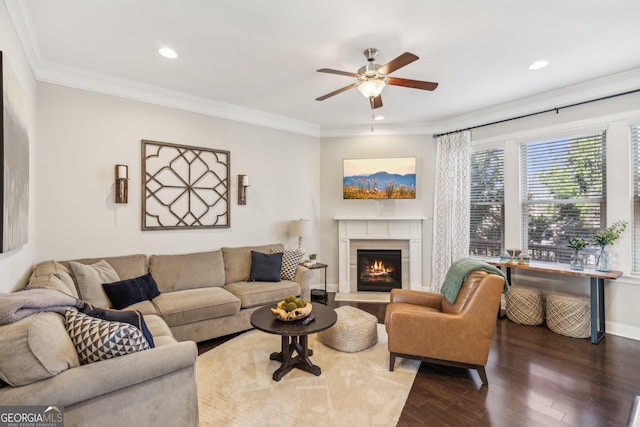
297 314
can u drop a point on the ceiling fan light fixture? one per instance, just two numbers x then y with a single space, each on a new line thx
371 88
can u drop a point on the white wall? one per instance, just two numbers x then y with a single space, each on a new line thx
334 151
84 134
15 265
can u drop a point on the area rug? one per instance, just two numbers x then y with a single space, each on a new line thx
235 387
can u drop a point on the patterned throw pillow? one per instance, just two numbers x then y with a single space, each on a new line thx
290 261
96 339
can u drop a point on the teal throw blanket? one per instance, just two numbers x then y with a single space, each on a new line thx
458 273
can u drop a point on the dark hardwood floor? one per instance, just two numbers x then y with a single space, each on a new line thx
536 378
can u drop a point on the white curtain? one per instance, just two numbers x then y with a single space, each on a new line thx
451 205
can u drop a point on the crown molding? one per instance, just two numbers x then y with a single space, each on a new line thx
49 72
82 79
557 98
100 83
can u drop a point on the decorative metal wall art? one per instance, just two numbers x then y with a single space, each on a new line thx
184 187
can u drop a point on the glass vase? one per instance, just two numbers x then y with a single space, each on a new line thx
603 259
577 261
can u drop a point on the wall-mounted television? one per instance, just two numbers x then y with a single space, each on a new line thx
383 178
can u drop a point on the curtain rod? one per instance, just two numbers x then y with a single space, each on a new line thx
556 109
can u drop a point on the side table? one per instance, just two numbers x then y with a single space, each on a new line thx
319 294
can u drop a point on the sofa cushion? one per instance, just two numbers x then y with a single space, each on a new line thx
160 330
49 281
130 291
190 271
265 267
60 271
96 339
193 305
237 261
35 348
90 278
290 262
127 266
253 294
144 307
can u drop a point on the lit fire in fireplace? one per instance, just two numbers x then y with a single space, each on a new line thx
377 271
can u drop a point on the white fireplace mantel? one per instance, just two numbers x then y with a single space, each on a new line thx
351 229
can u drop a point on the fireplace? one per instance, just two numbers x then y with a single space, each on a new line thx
379 270
397 233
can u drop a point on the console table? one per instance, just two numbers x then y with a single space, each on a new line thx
596 293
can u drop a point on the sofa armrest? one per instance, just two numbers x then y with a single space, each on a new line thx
303 278
100 378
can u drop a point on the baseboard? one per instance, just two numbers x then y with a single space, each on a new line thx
622 330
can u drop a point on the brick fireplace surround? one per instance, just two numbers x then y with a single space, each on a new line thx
404 233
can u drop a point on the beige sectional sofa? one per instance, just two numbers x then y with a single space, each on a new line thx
202 296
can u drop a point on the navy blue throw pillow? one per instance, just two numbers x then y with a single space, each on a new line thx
265 267
126 292
133 317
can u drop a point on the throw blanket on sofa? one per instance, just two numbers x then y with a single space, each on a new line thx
458 273
24 303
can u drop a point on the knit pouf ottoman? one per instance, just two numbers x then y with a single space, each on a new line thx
525 306
569 315
355 330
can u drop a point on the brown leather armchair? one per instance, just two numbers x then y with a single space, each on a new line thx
426 326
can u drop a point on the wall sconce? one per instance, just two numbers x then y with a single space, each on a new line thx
243 183
122 183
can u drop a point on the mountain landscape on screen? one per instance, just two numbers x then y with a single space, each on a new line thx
384 181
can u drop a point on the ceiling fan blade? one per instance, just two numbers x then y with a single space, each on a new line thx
399 62
335 92
341 73
415 84
376 102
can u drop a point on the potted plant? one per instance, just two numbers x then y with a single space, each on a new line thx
577 260
312 258
605 238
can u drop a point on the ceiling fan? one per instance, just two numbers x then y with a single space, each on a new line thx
372 78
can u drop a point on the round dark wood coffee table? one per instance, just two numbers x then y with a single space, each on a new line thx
294 337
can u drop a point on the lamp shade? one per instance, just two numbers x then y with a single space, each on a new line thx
300 227
371 88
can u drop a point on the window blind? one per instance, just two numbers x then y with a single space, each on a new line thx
635 156
487 202
564 193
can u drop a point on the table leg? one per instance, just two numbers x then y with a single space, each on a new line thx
597 310
300 361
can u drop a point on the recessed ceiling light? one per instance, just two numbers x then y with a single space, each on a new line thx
167 52
378 118
538 65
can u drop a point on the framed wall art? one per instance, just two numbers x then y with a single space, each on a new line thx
184 187
14 150
383 178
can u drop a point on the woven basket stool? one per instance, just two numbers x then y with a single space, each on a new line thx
569 315
525 306
355 330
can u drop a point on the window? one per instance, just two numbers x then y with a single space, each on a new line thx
564 194
635 155
487 202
